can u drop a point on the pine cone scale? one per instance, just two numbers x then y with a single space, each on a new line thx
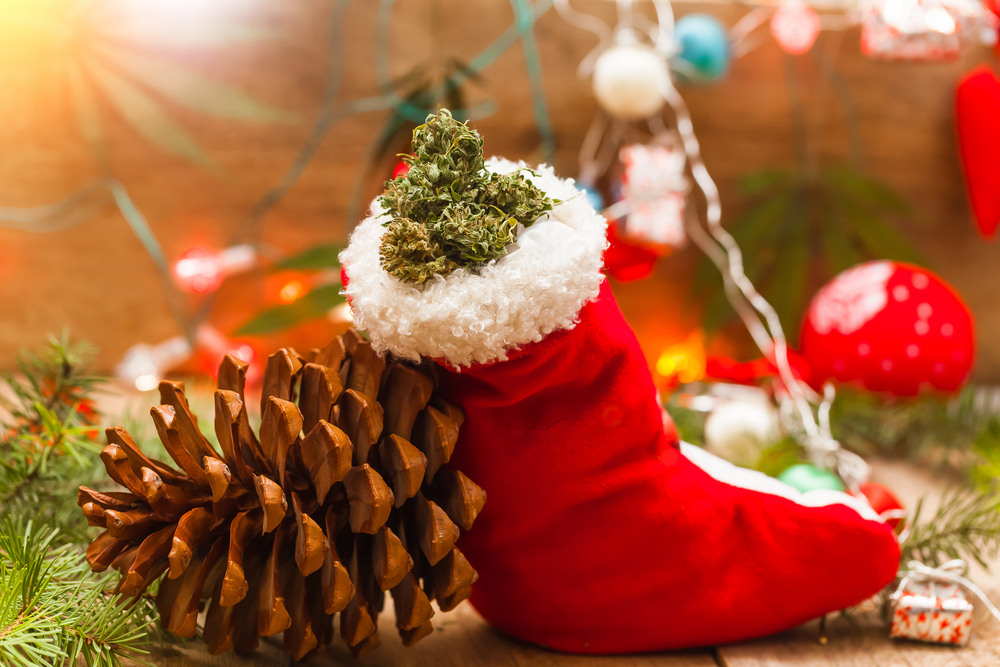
244 528
193 530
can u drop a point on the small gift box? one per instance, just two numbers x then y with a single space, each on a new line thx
656 188
932 607
924 29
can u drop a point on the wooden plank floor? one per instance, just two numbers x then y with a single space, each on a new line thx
463 639
861 642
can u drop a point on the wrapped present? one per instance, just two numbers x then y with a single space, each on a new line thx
924 29
932 610
930 604
655 187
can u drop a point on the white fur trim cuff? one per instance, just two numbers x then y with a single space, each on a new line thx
539 287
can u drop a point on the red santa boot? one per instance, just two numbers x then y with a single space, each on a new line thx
601 534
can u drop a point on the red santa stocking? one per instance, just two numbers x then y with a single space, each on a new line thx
601 533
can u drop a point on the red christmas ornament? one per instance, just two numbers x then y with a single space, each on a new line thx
402 169
890 326
626 261
725 369
795 26
977 108
882 499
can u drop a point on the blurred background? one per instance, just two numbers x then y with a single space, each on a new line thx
137 134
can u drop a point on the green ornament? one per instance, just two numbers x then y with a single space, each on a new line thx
805 477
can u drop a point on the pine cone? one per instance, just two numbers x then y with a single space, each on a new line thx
340 499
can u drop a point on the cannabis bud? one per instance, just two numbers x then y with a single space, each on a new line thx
448 212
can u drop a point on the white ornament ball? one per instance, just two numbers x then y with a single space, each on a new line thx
626 81
738 431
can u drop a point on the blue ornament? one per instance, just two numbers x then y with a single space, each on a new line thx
702 48
595 198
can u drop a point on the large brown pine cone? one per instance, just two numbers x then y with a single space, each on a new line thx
340 499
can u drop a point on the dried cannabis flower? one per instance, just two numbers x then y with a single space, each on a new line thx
448 212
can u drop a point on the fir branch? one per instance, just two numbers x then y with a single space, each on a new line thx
965 525
54 379
929 430
53 612
447 212
47 436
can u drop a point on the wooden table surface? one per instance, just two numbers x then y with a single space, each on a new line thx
462 638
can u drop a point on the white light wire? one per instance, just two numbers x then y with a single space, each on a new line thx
739 34
718 244
590 24
818 440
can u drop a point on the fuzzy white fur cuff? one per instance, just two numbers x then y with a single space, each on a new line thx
539 287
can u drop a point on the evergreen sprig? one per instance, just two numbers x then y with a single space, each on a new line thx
54 612
965 525
48 439
447 212
957 433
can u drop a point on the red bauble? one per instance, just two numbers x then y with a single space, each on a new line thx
882 499
402 169
795 26
626 261
891 327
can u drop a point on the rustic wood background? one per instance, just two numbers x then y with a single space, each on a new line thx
96 279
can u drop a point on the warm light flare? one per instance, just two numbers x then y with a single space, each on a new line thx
198 271
685 361
939 20
291 291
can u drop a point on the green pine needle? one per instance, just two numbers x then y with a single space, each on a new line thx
966 525
448 212
48 436
54 612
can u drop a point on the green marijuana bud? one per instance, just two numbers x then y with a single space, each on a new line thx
448 212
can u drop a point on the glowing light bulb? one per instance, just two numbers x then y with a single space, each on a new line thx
340 314
143 366
201 271
147 382
684 361
795 26
243 352
198 271
939 20
291 291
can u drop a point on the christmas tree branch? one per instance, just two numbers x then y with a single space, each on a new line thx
54 612
48 436
965 525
